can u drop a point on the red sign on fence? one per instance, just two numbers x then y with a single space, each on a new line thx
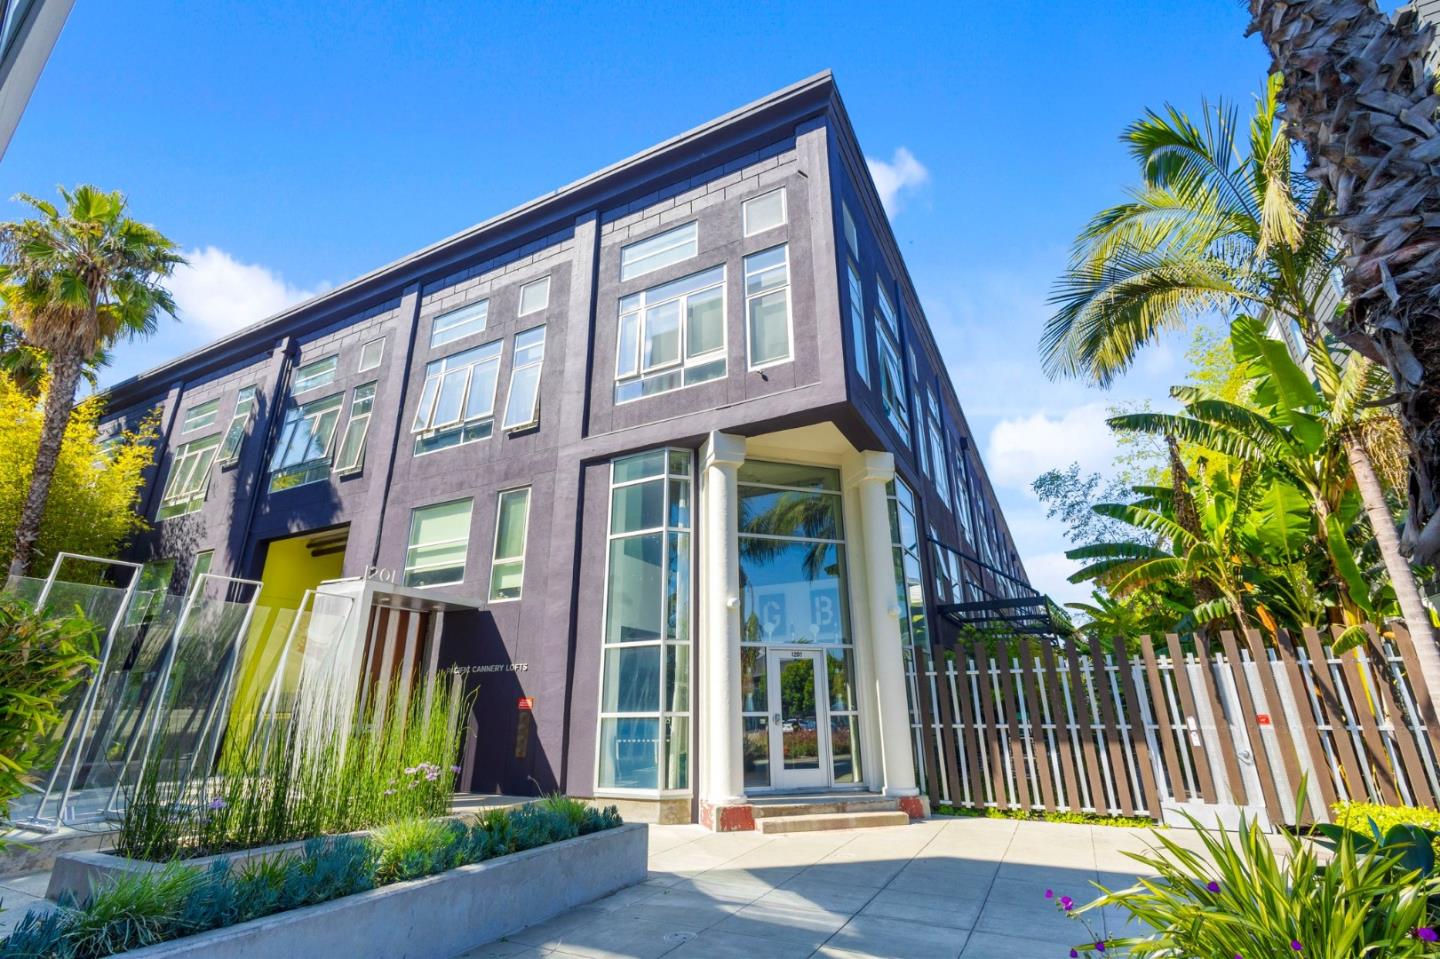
1263 719
527 702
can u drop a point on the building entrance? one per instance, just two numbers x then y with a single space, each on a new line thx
799 720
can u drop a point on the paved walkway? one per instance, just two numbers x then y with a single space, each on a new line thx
940 889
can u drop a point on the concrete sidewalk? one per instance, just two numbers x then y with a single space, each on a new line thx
940 889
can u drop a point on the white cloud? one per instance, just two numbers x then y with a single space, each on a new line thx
1021 448
902 174
217 294
1050 572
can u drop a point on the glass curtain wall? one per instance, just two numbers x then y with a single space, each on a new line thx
644 741
793 592
910 596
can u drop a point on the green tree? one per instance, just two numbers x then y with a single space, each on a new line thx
78 277
91 508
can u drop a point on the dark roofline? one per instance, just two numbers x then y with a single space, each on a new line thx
695 150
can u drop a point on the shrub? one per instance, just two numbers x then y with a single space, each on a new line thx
413 848
1358 815
1085 818
42 659
38 935
132 910
1240 898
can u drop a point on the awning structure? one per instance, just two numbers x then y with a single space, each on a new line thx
990 600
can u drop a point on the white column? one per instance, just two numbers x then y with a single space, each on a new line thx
720 741
883 639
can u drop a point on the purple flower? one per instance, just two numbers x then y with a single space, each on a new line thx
410 770
1213 886
1295 944
1074 954
1426 934
1049 893
455 769
1067 903
216 803
1100 946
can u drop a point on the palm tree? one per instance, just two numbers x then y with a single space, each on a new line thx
77 280
1361 100
1213 228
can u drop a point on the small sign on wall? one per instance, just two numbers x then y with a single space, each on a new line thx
527 703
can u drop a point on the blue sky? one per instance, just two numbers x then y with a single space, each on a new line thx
290 147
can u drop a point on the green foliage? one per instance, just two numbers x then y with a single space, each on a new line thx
1073 818
42 659
294 782
95 489
1239 896
172 901
1357 816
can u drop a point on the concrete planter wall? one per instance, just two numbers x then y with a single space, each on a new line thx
440 916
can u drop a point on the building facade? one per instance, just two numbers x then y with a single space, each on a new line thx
666 463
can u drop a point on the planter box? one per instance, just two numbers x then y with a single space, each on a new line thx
438 917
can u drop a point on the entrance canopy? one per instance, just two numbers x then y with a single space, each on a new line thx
990 600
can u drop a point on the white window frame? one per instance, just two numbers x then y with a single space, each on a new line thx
306 380
893 366
495 351
362 420
200 415
789 356
684 362
936 442
852 235
855 287
190 462
745 211
691 239
445 335
361 366
410 535
245 402
495 545
536 363
283 443
520 302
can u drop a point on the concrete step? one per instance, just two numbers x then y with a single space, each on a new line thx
798 806
815 822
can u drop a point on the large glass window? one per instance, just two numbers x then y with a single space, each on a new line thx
852 237
439 537
962 489
892 368
352 447
512 521
464 321
371 354
302 454
767 306
910 599
239 423
315 375
457 402
671 335
189 477
857 322
535 296
200 415
645 676
793 592
764 212
522 404
660 250
937 450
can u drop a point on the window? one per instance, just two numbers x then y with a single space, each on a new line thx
203 560
451 326
767 306
302 454
522 403
189 477
671 335
645 672
937 451
371 354
200 416
313 375
439 537
851 236
457 402
352 447
962 489
661 250
507 570
239 422
886 309
764 212
910 599
535 296
892 373
857 323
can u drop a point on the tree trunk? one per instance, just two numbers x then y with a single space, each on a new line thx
1402 576
59 401
1360 97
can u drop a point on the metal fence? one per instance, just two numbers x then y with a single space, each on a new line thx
1027 725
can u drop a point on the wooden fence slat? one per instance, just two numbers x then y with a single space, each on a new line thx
1279 720
992 732
1035 716
1012 726
969 728
1350 768
951 759
1238 793
1411 763
1248 721
1150 795
1067 763
1165 732
1309 721
1114 743
1080 703
932 760
1379 761
1418 687
1200 752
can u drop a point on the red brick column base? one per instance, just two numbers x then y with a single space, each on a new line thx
918 807
727 818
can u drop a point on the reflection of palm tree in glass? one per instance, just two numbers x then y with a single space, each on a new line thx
797 516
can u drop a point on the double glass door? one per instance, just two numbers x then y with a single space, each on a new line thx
799 720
